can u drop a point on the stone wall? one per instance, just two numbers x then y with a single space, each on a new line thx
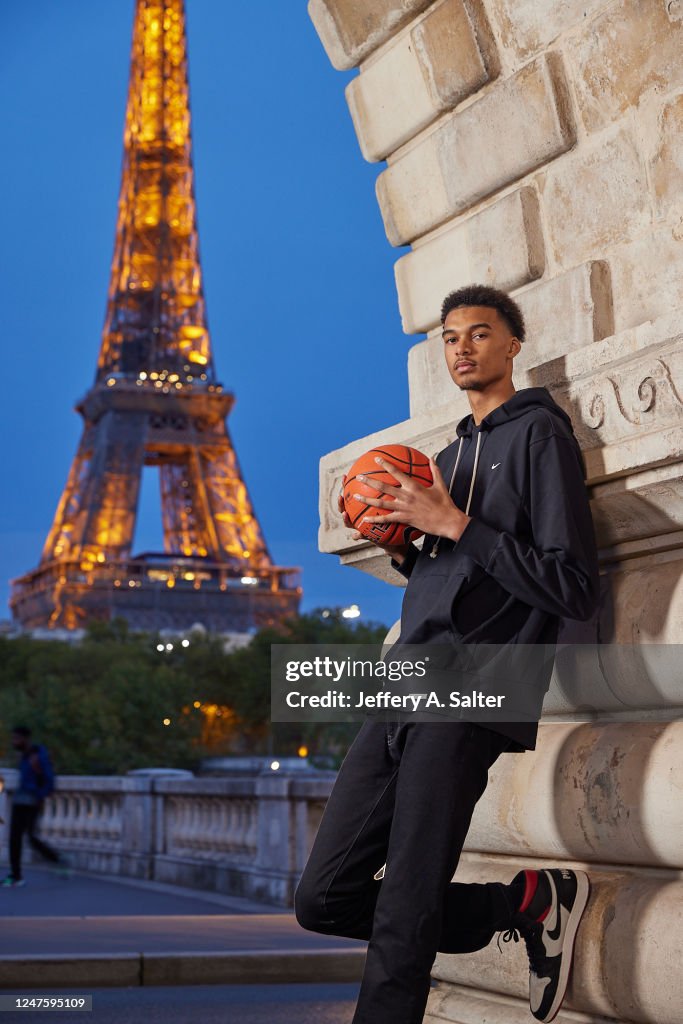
537 146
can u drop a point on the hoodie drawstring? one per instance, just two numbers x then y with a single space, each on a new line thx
435 547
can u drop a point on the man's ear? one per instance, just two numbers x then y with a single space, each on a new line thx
515 346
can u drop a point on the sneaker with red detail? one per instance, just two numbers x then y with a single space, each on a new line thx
547 919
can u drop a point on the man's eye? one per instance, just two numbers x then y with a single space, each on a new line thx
479 335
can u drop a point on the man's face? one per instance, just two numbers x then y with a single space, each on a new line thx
479 347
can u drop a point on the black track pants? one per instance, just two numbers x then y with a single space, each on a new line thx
404 794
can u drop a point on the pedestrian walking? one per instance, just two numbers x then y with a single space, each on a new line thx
36 783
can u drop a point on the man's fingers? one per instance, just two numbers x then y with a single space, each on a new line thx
397 473
391 517
377 485
437 475
376 502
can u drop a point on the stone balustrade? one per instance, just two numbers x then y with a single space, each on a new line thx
240 836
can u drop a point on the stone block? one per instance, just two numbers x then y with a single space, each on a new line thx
647 277
596 792
426 71
630 50
666 170
596 197
518 125
501 246
351 29
565 313
524 27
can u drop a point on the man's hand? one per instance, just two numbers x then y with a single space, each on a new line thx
397 551
429 509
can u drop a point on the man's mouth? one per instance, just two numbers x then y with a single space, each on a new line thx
464 364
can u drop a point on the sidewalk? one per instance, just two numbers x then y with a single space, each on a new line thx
91 930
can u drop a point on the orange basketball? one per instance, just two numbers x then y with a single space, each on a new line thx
410 461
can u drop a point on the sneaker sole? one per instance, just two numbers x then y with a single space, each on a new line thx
582 894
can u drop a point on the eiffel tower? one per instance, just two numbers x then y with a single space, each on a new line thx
156 401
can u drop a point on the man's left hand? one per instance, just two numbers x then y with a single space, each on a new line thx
428 509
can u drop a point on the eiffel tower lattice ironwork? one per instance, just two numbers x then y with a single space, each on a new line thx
156 401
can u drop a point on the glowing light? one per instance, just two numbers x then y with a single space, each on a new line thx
198 357
167 721
185 643
197 704
160 647
352 612
302 751
169 647
249 581
274 765
193 332
142 376
111 382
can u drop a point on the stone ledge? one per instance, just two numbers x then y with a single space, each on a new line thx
264 967
351 30
113 970
427 70
117 970
471 250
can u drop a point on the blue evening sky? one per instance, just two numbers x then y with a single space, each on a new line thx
298 272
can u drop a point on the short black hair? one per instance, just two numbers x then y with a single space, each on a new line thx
483 295
22 730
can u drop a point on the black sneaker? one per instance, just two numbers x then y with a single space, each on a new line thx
548 924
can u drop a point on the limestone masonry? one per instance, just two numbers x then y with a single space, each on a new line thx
537 146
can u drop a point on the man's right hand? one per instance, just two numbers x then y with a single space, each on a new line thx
397 551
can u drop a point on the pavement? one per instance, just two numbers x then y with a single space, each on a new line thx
211 1004
100 932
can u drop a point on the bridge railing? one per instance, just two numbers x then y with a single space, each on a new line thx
244 836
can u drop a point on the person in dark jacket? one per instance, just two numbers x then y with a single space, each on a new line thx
509 550
36 783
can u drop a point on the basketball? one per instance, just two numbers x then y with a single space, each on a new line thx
412 462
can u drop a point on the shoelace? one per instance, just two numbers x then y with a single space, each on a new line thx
529 932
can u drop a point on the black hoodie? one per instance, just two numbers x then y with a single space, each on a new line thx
527 557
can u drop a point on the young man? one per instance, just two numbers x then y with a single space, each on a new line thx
36 782
509 548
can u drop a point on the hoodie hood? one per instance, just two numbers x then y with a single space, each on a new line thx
520 403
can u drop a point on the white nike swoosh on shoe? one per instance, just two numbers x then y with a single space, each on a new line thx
553 947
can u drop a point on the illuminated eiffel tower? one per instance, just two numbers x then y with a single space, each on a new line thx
156 402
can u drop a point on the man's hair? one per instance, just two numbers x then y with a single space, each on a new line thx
22 730
482 295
